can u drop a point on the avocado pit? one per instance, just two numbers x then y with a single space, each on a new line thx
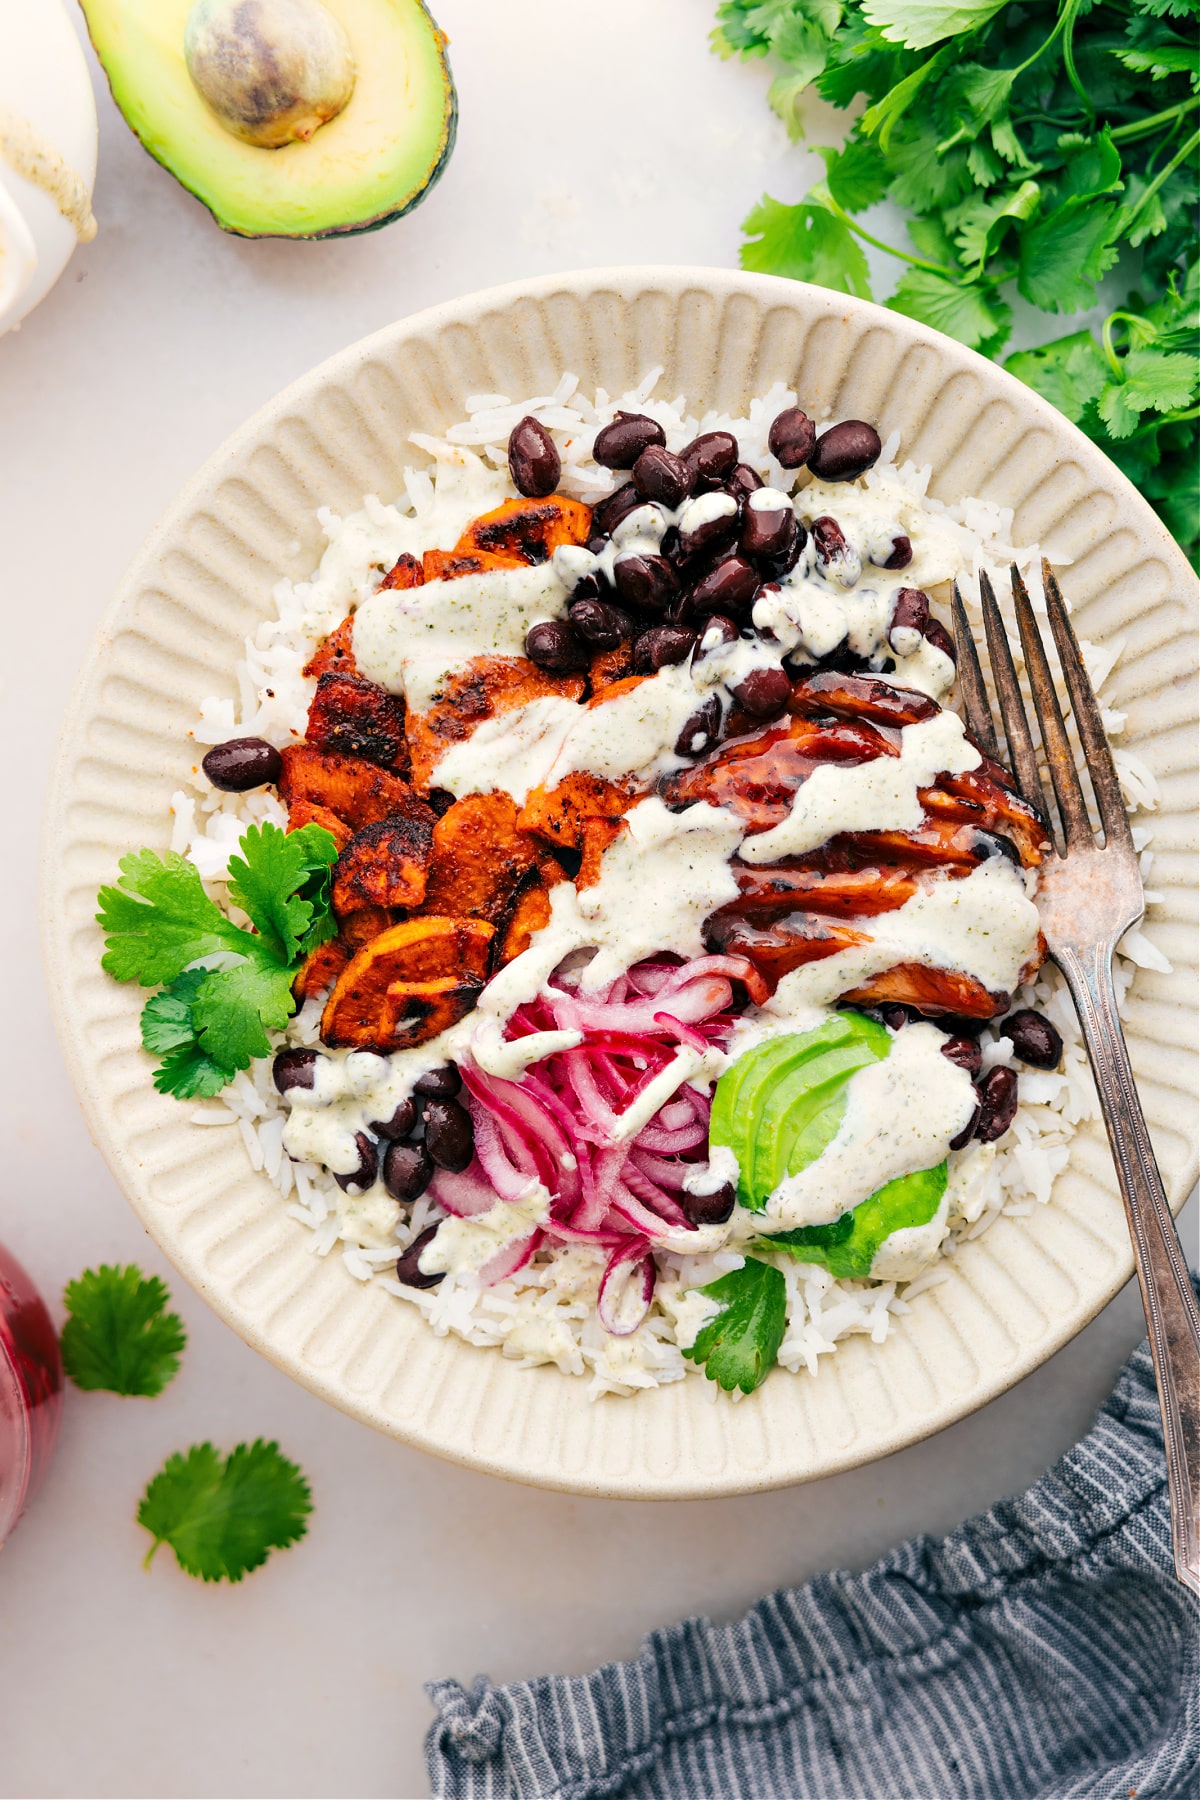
271 71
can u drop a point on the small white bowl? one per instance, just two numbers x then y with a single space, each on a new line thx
172 637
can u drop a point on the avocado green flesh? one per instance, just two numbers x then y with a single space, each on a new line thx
781 1102
373 162
848 1246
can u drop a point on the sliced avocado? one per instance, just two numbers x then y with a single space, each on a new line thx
848 1246
373 160
755 1106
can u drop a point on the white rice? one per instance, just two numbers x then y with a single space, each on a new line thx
547 1312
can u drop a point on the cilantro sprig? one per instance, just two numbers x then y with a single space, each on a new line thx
1032 145
119 1335
223 987
740 1344
223 1515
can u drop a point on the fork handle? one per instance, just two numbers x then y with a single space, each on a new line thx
1167 1294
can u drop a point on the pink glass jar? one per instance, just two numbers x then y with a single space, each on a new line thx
30 1391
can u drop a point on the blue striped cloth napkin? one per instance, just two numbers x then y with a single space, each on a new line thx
1043 1651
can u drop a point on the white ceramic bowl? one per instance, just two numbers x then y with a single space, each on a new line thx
172 637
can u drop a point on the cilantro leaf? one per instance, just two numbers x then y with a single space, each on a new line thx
158 919
235 1008
881 118
857 176
190 1073
1151 381
918 23
1064 255
1068 372
969 313
271 880
806 242
167 1017
222 1516
119 1336
739 1347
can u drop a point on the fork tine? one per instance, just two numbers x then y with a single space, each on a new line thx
970 682
1012 708
1096 749
1077 827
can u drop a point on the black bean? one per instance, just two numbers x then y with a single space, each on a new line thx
768 530
791 438
408 1268
728 587
240 764
829 540
449 1134
363 1176
997 1103
708 534
400 1123
600 624
892 1014
968 1131
702 730
958 1025
619 445
553 645
294 1069
608 513
743 482
964 1053
845 451
936 634
439 1084
587 587
710 1209
911 613
764 693
1034 1039
661 645
710 458
901 554
776 567
646 581
718 631
407 1170
533 459
660 476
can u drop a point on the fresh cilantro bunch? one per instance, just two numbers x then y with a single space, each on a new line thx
223 1515
1032 144
223 987
740 1343
119 1335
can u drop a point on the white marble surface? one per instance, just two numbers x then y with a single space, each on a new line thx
306 1680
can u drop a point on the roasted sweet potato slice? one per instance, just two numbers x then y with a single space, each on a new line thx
530 530
490 684
479 858
595 836
303 812
932 990
356 717
358 928
992 805
321 968
405 572
385 864
336 653
530 913
451 565
408 984
357 791
610 666
557 814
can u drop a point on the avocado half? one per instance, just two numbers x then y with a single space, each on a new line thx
372 163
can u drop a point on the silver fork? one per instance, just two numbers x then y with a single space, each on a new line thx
1088 896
